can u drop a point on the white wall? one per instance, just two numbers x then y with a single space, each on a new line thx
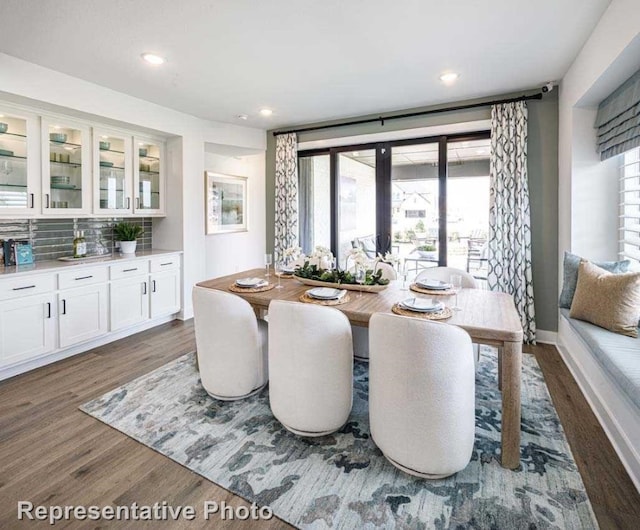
183 229
587 188
229 253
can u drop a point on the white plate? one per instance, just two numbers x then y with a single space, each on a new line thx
250 282
422 305
288 270
437 285
325 293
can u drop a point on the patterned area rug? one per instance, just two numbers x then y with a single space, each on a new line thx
342 480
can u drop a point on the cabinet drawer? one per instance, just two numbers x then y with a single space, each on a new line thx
129 268
26 286
78 278
165 263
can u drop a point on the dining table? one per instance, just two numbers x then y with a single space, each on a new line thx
488 317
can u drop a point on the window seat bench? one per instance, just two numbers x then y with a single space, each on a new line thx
606 365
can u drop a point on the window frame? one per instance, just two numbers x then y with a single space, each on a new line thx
383 184
629 196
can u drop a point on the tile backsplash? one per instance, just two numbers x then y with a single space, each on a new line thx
53 238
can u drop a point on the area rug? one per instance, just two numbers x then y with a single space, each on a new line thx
343 480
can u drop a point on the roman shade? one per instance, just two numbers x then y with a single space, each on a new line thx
618 119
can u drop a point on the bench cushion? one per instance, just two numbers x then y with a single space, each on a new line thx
618 355
570 270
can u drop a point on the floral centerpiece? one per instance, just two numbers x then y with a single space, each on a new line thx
316 267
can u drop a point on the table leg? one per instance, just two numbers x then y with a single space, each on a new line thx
511 373
500 368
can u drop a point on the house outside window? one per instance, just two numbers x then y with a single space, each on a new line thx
414 214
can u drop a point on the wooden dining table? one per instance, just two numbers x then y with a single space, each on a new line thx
489 318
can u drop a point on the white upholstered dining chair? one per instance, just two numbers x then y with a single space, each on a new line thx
231 345
444 274
468 282
310 367
421 394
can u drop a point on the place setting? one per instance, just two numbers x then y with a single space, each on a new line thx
325 296
432 287
427 308
251 285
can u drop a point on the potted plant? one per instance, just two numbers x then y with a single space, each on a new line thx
426 251
126 234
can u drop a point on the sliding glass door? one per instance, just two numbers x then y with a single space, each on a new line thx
468 205
356 183
415 205
314 198
426 200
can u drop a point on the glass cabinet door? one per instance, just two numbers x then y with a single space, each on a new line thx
15 195
149 176
112 166
65 167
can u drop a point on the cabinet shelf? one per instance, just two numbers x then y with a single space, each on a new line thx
22 186
150 172
13 135
70 164
112 167
64 144
65 188
150 157
111 151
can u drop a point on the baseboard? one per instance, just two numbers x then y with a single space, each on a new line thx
31 364
616 414
546 337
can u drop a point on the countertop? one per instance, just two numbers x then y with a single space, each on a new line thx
56 266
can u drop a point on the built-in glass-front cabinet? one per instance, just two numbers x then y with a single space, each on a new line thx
148 171
66 167
112 170
18 163
82 169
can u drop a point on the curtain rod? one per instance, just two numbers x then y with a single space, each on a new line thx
382 119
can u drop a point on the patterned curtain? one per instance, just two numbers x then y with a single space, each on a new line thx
286 220
509 223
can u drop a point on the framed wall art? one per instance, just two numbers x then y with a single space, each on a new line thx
225 203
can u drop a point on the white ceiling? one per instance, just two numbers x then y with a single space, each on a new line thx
308 60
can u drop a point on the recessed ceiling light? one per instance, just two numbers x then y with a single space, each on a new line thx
448 77
56 127
356 153
480 151
266 112
104 137
1 115
242 117
152 58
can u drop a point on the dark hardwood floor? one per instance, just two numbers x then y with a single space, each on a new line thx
53 454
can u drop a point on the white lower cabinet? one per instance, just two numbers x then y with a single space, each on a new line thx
82 314
129 302
49 312
165 293
27 328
